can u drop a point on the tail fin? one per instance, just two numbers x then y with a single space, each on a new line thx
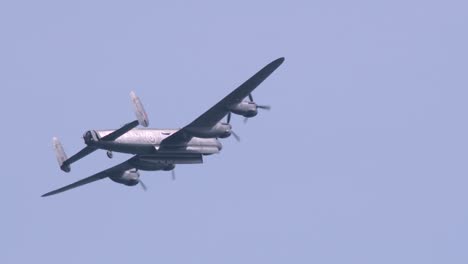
139 110
60 153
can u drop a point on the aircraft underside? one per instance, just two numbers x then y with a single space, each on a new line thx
164 161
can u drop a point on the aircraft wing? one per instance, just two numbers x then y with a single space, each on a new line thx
211 117
114 171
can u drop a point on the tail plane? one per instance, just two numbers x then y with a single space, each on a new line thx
65 162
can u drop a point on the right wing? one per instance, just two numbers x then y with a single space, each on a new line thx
114 171
211 117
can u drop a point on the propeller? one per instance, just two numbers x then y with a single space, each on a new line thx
264 107
232 131
143 186
235 136
173 174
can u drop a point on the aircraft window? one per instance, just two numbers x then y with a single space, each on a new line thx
166 133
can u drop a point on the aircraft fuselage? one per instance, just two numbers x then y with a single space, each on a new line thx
144 141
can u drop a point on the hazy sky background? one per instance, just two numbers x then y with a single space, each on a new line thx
361 160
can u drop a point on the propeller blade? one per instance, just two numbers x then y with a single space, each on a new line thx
266 107
251 97
235 136
245 120
173 174
229 117
143 186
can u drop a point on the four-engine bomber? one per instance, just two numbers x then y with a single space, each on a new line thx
163 149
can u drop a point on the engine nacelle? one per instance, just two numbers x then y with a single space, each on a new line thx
220 130
129 178
90 137
245 108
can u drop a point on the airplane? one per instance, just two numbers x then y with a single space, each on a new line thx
162 149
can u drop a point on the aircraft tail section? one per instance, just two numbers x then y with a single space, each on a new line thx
60 153
140 112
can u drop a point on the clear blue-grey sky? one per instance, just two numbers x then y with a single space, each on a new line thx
361 160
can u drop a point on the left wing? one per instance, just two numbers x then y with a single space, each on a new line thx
211 117
118 169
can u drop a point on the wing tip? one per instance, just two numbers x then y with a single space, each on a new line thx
51 193
275 64
279 60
